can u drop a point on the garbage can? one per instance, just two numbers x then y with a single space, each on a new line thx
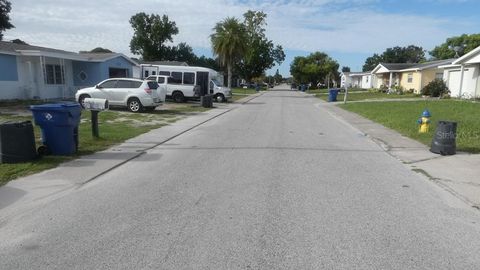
59 123
206 101
17 142
444 139
332 95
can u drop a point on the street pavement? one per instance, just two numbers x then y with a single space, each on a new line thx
276 183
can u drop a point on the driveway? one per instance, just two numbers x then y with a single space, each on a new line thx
276 183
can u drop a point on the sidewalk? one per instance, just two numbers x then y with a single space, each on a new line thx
23 194
459 174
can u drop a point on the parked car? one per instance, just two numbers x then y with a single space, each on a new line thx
134 94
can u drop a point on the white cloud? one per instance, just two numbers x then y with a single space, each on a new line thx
332 25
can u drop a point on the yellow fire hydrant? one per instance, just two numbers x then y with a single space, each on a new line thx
424 122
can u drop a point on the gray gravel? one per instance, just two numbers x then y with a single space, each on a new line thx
277 183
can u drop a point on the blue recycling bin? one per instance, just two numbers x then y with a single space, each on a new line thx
59 124
332 95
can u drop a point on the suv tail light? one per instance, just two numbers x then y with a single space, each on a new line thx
148 90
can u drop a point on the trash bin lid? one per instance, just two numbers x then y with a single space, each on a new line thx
55 106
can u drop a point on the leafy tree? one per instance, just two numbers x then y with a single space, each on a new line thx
207 62
228 42
98 50
261 53
314 68
182 52
464 44
5 8
410 54
345 69
19 41
151 32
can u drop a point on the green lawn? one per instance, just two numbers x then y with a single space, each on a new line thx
358 96
115 127
402 115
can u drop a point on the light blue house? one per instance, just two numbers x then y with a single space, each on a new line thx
31 72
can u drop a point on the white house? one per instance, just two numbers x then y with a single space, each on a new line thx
345 79
462 76
361 79
32 72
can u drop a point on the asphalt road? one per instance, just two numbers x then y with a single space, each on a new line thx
277 183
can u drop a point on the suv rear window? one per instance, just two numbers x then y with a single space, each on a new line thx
153 85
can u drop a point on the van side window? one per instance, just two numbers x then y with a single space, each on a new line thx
189 78
151 78
172 80
146 73
161 80
154 73
177 77
164 73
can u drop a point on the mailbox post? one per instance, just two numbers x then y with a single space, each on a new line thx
95 105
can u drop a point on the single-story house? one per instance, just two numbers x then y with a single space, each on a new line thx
419 75
462 76
32 72
345 79
361 79
388 74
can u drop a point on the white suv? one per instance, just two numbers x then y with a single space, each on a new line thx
136 95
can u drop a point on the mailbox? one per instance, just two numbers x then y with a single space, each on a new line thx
95 104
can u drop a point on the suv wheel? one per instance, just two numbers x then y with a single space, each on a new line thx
178 97
134 105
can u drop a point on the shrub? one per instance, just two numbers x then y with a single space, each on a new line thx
397 89
436 88
383 88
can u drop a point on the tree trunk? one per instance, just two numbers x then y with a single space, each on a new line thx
229 75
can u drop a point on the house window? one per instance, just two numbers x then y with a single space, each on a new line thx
410 78
367 79
54 74
83 76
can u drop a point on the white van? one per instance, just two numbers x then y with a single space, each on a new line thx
186 82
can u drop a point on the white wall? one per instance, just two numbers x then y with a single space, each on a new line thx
367 81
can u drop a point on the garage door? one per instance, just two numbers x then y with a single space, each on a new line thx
454 83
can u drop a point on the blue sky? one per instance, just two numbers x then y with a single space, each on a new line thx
348 30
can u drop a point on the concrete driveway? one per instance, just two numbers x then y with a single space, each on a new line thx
276 183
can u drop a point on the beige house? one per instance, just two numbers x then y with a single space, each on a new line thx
416 77
409 76
389 74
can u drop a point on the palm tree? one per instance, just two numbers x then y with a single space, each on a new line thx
229 43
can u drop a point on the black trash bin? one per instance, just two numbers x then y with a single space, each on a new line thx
17 142
444 139
206 101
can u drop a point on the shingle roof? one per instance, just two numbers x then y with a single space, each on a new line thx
430 64
7 46
397 66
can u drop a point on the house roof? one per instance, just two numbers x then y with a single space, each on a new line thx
102 57
430 64
21 49
465 58
6 46
356 74
164 63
